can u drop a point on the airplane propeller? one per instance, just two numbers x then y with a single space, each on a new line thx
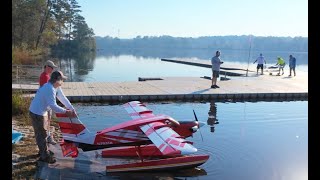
195 116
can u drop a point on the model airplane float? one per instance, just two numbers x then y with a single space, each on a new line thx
158 141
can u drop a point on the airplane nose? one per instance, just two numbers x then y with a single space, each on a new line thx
195 128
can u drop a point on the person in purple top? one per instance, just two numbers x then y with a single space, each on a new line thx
292 64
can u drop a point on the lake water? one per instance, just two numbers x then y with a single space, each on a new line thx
252 140
125 65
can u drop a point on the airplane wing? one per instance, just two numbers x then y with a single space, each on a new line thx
137 110
167 140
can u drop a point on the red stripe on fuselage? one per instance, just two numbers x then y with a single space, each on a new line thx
131 151
104 140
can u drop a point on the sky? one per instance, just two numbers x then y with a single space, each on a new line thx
196 18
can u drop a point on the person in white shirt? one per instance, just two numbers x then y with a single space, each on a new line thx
215 62
44 100
260 60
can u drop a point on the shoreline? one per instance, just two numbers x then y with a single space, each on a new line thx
24 152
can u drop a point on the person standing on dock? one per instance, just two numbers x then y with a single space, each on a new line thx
260 60
292 64
49 66
215 61
281 63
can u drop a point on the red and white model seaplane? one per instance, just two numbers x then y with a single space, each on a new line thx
157 141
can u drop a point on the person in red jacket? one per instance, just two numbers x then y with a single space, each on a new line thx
45 75
49 66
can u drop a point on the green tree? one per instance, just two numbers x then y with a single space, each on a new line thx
47 24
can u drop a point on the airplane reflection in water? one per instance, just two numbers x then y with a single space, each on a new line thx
182 173
212 118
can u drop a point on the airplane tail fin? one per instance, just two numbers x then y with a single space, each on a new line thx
71 128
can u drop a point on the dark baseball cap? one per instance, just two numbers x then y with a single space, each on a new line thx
58 75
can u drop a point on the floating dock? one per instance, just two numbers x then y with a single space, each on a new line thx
251 88
207 64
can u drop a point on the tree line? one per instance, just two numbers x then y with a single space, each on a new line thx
43 27
297 44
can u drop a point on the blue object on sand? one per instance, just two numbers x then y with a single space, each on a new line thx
16 136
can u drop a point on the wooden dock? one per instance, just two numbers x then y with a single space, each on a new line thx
251 88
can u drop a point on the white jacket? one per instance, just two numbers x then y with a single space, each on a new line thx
45 99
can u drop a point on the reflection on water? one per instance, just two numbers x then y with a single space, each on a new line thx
79 67
176 174
212 118
228 55
254 140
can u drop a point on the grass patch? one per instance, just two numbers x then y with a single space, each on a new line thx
24 55
20 107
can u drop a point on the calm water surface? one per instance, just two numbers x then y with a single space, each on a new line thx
245 140
114 67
